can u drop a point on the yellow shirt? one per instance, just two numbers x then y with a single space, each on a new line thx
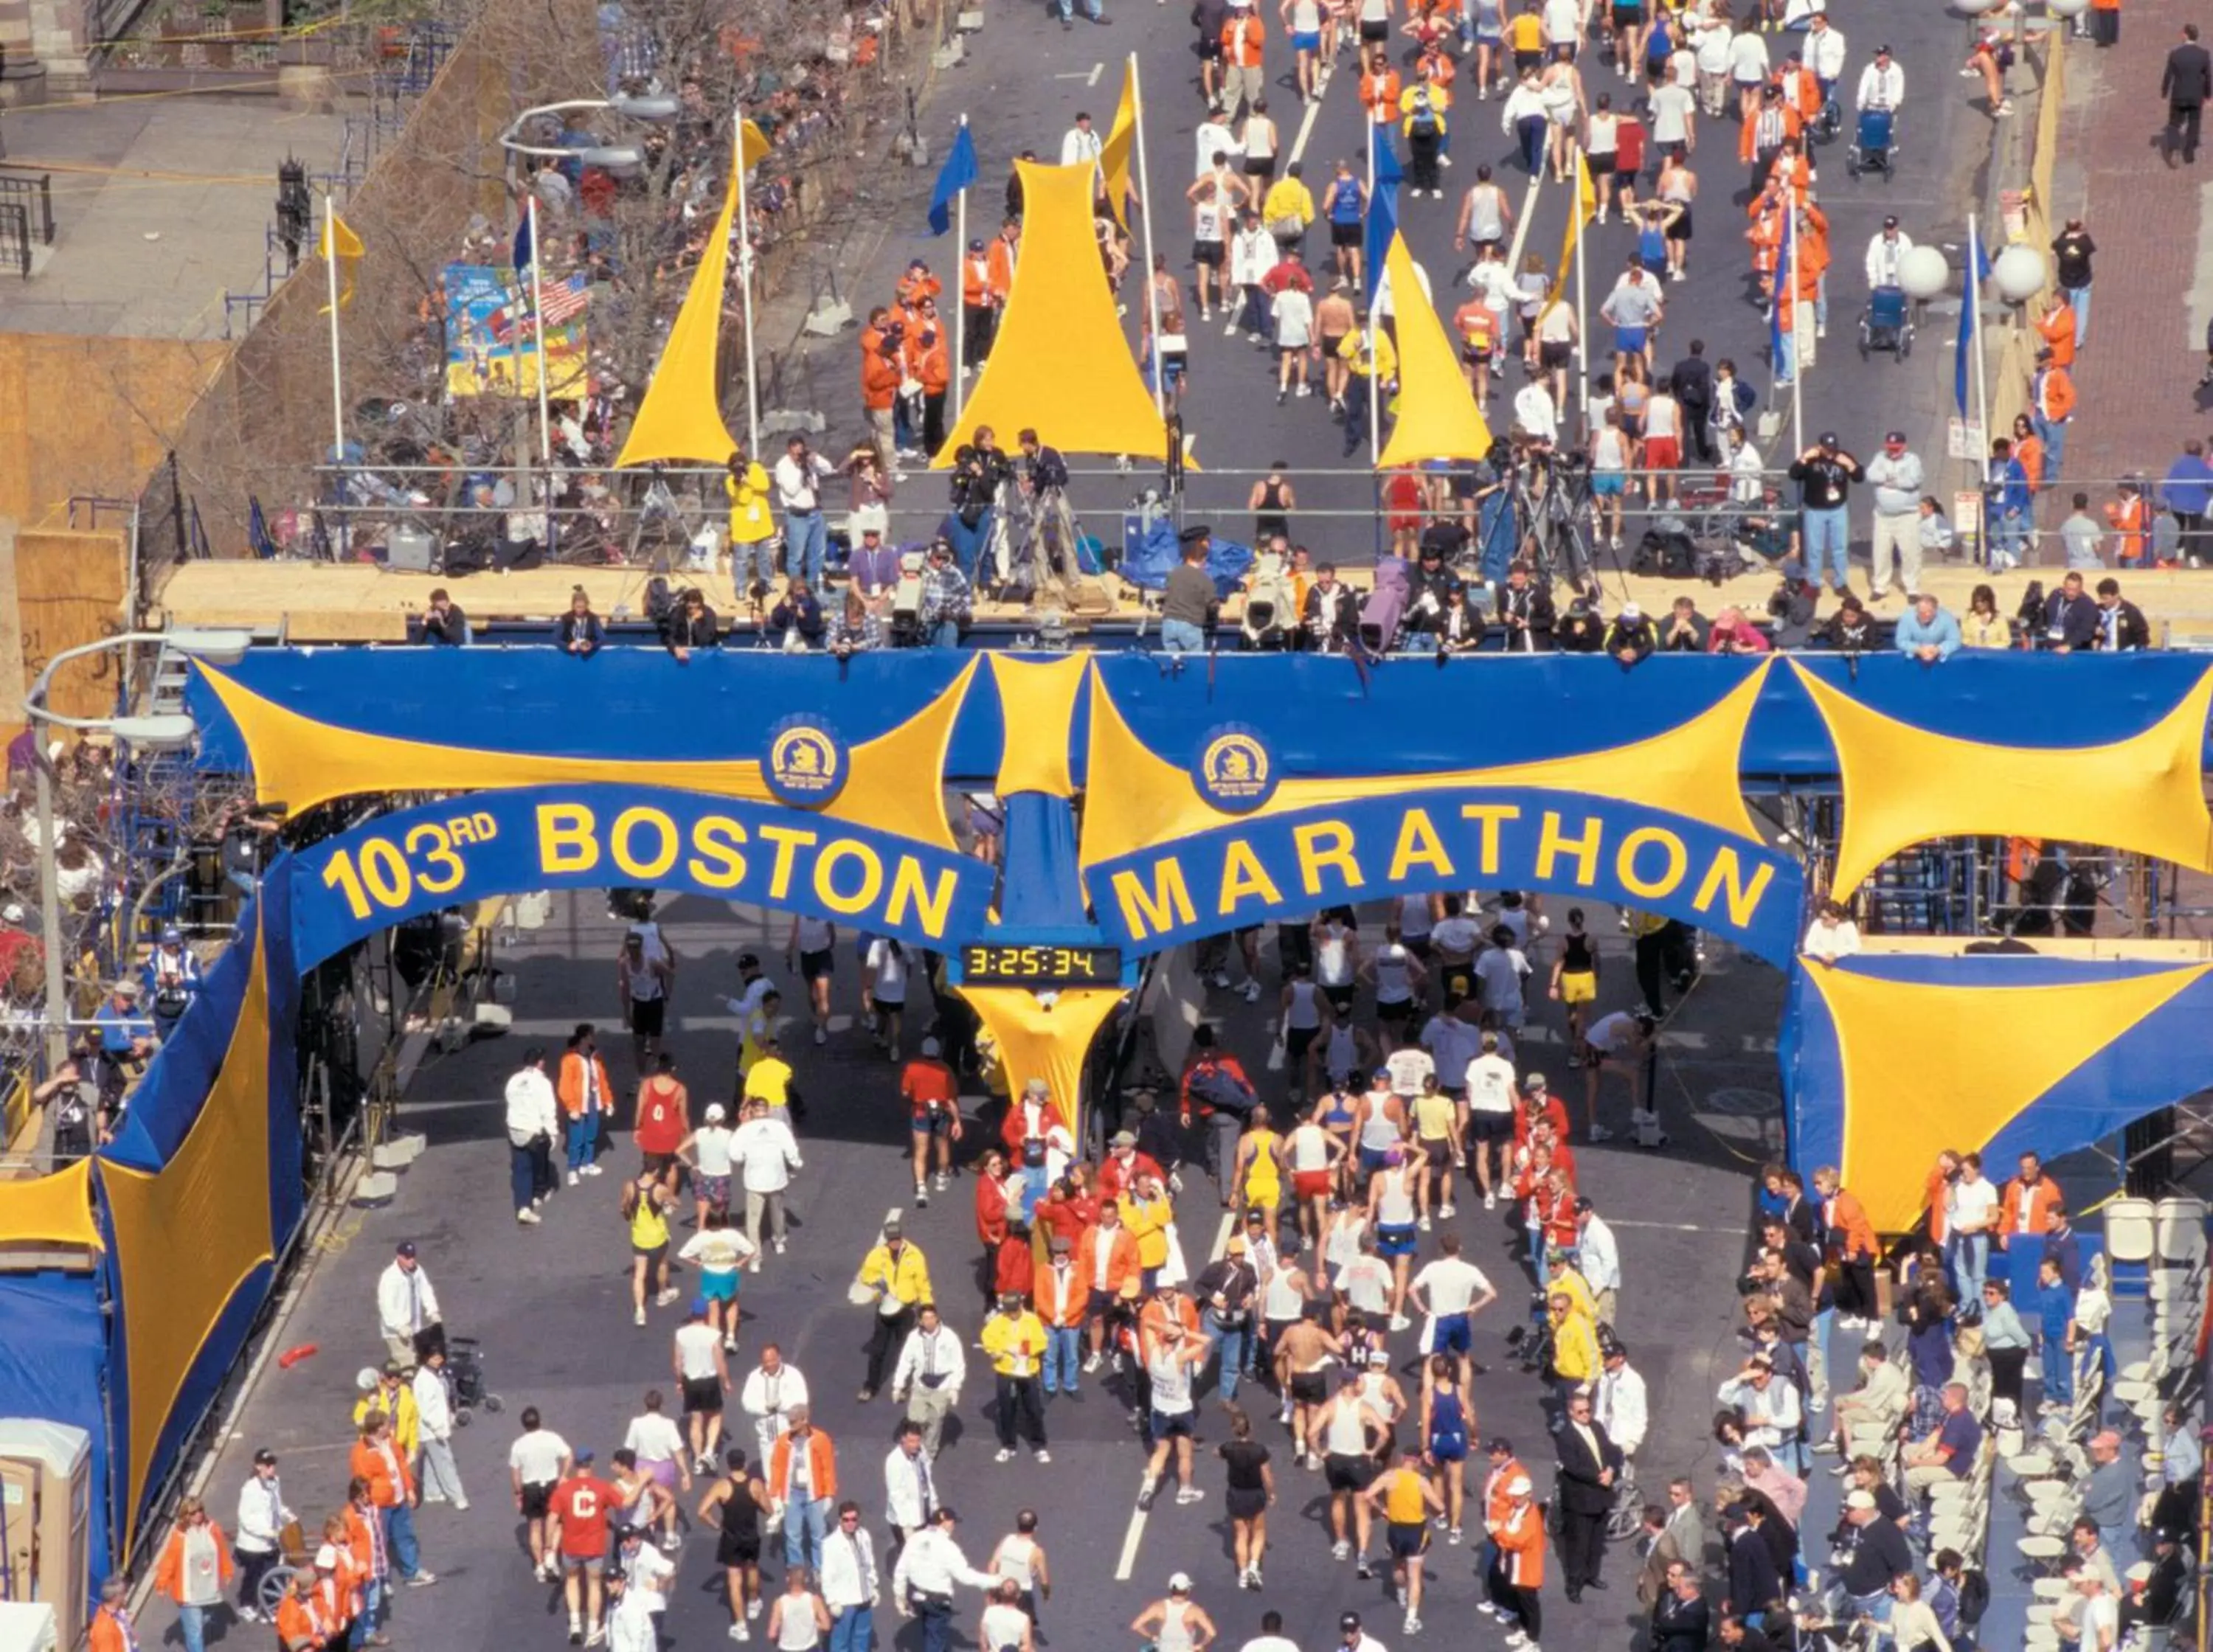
1288 197
1148 1221
908 1278
1526 32
1403 1502
1386 356
649 1224
1570 1283
1433 1116
406 1421
768 1079
1574 1349
1015 1343
750 522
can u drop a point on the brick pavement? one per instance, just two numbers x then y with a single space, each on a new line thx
2138 379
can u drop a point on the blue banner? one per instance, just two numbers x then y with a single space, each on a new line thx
1289 865
585 836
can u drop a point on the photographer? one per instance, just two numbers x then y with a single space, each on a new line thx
1526 611
947 601
1331 618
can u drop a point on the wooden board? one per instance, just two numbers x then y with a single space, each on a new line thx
68 592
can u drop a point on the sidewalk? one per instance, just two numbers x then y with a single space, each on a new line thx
2138 379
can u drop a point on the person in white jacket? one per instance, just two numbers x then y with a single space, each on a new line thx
932 1366
766 1153
910 1489
773 1390
1252 255
1620 1407
533 1120
847 1580
1886 255
258 1539
1882 83
434 1408
408 1308
923 1581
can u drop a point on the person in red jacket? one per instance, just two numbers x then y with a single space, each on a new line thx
195 1570
933 1098
1015 1268
1124 1165
881 376
576 1529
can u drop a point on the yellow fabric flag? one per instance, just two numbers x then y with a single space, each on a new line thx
1060 362
1437 415
753 145
1586 208
681 416
341 244
1114 154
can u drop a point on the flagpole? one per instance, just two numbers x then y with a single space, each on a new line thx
538 311
331 276
1152 289
1974 299
1797 351
746 283
1582 304
960 299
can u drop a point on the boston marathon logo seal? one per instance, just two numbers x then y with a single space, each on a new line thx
1236 769
807 762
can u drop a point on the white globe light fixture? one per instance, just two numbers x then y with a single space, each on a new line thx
1923 273
2018 273
2068 8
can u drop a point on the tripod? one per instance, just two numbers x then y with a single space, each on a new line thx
1037 554
1553 507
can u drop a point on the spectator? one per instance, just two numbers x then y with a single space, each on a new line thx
580 631
1732 633
2006 505
1825 474
2121 625
795 623
1880 1555
444 625
2072 250
1927 632
1685 630
1630 638
799 476
1949 1453
1985 627
945 601
1894 543
2186 493
2071 622
690 624
1850 629
2081 536
2186 83
2127 514
1187 603
2051 404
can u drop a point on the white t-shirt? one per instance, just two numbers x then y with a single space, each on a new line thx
655 1438
1366 1283
1457 936
1294 319
1003 1626
1972 1205
1171 1386
650 1572
1671 115
1490 1084
889 964
814 935
1498 972
711 1145
537 1456
1747 57
1449 1284
718 1250
696 1344
1613 1033
1394 973
1408 1067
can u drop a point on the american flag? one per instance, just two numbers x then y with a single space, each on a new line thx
565 300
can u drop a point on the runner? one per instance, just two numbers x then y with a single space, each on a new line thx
644 1209
1176 1624
1406 1497
703 1371
735 1502
1398 977
706 1153
1171 1358
1315 1159
933 1097
664 1119
1447 1426
1439 1125
1258 1175
657 1444
1349 1429
577 1530
644 976
537 1462
1303 1355
811 950
1391 1208
1020 1559
1575 980
1491 1102
1248 1490
887 976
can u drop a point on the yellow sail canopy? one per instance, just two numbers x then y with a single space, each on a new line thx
1437 415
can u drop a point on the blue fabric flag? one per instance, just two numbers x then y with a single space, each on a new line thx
955 175
524 252
1786 282
1382 212
1979 262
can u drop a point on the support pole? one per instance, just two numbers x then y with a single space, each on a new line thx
960 290
1152 292
537 314
745 284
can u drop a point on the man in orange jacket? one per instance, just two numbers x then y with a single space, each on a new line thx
1518 1532
194 1570
1851 1238
112 1630
802 1487
2052 405
1771 124
587 1098
378 1462
1106 1262
930 364
881 376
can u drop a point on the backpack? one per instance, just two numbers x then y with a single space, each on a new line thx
1667 555
1974 1597
1424 122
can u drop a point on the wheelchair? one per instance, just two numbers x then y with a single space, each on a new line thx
1874 145
1887 324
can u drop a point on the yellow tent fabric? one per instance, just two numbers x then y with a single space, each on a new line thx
1437 415
2142 794
1929 1067
1060 363
54 1209
753 145
187 1237
1045 1038
1037 699
681 414
1689 769
300 761
1114 155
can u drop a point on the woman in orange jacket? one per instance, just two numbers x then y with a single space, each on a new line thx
586 1096
1519 1574
195 1570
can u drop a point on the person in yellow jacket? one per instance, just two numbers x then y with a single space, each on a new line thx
1562 1276
1373 361
1014 1340
896 1274
392 1396
1574 1345
1146 1214
1288 208
1422 118
753 529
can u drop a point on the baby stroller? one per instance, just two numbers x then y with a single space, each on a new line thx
1887 324
1872 144
465 1376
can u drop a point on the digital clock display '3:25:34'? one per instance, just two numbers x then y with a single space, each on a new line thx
990 964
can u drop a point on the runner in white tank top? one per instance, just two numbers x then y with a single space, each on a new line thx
1414 921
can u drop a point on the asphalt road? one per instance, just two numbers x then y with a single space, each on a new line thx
1025 79
550 1305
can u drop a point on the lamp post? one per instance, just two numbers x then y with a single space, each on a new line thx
161 732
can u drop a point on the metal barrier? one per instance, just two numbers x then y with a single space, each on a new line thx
35 192
15 237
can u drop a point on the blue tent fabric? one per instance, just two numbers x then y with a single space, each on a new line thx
1158 551
54 1365
1040 832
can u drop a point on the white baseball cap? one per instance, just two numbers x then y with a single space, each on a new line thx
1179 1583
1518 1486
714 1113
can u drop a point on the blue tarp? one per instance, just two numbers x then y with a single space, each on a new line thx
54 1366
1153 558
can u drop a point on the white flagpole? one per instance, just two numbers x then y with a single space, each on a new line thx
330 275
1145 214
538 315
746 283
1582 306
960 300
1974 298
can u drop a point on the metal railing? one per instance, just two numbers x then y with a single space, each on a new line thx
35 192
15 237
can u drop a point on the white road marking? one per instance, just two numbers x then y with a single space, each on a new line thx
1673 1227
1522 224
1313 108
1097 69
1136 1535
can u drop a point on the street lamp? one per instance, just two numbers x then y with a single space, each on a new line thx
610 158
160 732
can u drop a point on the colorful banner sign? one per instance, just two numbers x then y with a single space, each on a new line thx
491 349
1292 864
587 837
